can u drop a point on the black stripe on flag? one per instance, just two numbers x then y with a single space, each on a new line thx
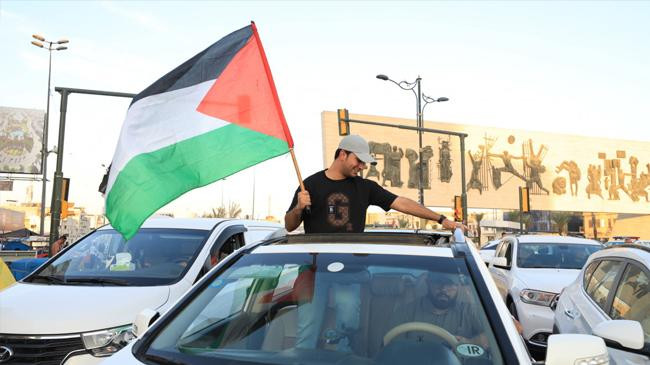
205 66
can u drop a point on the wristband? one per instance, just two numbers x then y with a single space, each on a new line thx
441 219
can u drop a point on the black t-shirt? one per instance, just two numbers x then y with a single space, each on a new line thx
339 206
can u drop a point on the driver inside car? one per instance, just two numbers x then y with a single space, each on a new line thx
442 306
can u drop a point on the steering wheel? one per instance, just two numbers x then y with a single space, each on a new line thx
424 327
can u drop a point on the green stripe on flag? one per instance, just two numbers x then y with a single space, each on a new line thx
151 180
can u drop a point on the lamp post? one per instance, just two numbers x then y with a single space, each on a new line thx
419 106
41 42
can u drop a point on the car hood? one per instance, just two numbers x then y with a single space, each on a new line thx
548 280
37 309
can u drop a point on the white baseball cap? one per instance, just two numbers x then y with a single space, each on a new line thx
357 145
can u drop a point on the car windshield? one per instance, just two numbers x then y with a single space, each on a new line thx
152 257
554 255
324 308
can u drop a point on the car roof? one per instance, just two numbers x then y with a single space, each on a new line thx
556 239
638 252
196 223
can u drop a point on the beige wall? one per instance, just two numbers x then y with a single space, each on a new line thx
557 148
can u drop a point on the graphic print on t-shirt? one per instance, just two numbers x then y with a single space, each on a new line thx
338 210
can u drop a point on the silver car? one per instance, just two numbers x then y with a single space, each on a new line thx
611 299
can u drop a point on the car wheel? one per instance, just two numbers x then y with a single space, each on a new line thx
513 309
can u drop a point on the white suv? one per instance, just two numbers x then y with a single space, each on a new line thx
78 307
611 298
374 298
530 271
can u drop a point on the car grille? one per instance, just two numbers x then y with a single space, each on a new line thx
40 350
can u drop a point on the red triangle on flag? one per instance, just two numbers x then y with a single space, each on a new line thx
244 95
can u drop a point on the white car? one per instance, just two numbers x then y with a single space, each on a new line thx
487 252
530 271
372 298
78 307
611 298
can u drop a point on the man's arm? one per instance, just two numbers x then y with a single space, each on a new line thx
408 206
293 217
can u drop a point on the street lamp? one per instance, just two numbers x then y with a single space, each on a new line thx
419 99
39 42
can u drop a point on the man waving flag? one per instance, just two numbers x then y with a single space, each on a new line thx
214 115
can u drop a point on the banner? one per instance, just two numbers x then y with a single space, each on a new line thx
21 140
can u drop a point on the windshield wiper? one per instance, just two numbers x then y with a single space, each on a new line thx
48 279
118 282
163 360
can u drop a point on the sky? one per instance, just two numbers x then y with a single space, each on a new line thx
567 67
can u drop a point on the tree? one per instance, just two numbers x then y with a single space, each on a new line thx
234 210
403 222
478 217
561 219
513 216
220 212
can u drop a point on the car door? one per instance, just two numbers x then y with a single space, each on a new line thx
632 302
588 304
501 274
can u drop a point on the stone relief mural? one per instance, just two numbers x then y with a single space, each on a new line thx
610 175
611 179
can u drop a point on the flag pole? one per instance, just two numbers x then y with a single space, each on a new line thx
302 184
285 127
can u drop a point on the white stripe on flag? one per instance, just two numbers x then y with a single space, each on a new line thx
159 121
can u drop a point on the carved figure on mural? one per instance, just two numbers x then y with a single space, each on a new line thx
533 163
611 178
574 175
379 151
637 186
412 158
414 167
507 167
477 161
593 175
393 168
559 185
427 154
444 161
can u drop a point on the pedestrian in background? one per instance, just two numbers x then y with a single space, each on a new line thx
59 245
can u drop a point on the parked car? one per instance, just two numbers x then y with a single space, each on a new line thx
79 306
621 240
530 271
372 298
487 251
611 298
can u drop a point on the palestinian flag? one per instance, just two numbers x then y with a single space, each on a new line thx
216 114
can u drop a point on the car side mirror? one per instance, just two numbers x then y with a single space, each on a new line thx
500 262
621 333
576 349
143 321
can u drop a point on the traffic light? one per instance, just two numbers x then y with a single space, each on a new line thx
65 188
344 124
458 208
524 199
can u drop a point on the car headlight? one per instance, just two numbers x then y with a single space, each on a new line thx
107 342
537 297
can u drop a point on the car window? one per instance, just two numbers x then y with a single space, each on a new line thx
602 280
554 255
632 299
330 308
588 272
154 256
